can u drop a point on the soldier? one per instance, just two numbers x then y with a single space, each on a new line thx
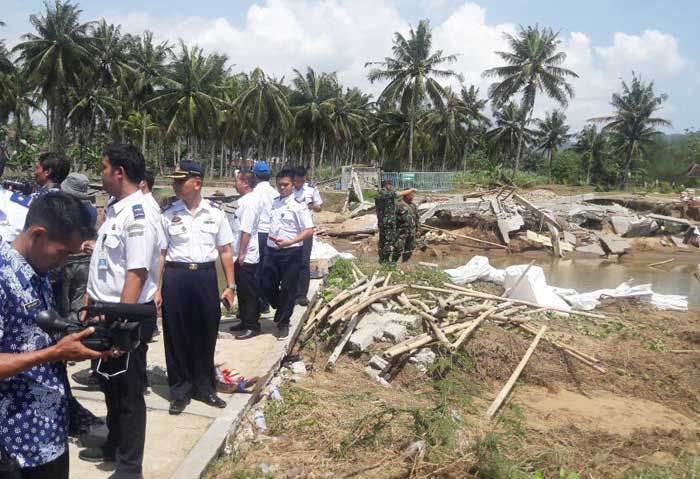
385 203
406 229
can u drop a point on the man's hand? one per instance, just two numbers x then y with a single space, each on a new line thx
158 300
228 297
240 258
88 246
282 243
69 348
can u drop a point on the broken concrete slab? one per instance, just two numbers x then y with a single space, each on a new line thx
377 362
540 240
670 224
678 242
408 320
361 209
641 227
508 223
614 244
361 225
594 248
395 332
570 238
620 224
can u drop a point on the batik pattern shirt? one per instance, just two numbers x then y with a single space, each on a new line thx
37 411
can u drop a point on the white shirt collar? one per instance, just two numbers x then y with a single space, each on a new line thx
133 198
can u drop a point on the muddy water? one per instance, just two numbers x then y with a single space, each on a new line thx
590 274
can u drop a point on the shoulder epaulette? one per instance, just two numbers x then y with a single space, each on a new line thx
137 209
312 184
214 204
299 200
21 199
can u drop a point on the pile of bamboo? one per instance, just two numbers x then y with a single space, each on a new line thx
450 315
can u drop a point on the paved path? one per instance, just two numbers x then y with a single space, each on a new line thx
182 446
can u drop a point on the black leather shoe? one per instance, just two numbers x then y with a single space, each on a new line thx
177 406
265 309
211 400
86 377
283 331
238 327
96 454
302 301
247 334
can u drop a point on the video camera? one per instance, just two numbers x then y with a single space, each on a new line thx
116 324
25 187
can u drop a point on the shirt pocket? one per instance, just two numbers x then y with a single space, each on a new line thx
209 232
112 241
177 233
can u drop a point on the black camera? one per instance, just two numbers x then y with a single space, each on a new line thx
116 324
24 187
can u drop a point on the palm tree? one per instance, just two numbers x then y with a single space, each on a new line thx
510 129
54 59
111 48
16 98
591 145
310 91
551 134
448 122
5 63
264 106
347 116
411 73
188 98
532 65
632 124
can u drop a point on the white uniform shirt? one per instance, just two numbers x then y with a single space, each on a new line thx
308 194
154 207
288 217
193 237
13 213
126 241
245 220
266 195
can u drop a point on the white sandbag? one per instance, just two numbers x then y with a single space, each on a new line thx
643 292
321 250
533 287
478 268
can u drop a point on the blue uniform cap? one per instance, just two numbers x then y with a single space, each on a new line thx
261 168
188 169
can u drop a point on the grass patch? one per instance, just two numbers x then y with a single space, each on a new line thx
293 413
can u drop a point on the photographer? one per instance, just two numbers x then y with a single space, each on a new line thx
37 410
49 173
123 268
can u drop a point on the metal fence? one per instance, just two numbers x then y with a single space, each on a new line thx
421 180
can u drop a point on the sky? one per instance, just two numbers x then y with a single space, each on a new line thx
605 40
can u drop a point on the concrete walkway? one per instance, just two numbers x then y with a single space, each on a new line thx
183 446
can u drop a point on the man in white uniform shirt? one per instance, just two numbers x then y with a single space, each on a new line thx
125 252
244 224
266 195
308 194
290 225
197 232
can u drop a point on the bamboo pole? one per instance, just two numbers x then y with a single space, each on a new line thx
388 278
520 278
496 404
661 262
587 359
423 340
377 295
433 228
467 332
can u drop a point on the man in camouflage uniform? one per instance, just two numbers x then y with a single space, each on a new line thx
406 228
385 203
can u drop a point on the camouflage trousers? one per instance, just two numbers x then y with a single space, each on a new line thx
387 239
403 247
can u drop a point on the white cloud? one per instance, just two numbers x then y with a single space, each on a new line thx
652 51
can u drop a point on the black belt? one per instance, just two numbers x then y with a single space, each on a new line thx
190 266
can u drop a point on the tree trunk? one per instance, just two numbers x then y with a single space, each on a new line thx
444 154
588 170
323 149
18 132
313 155
626 172
58 137
221 160
143 136
410 143
284 148
212 159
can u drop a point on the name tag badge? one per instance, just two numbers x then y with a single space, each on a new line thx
32 304
102 262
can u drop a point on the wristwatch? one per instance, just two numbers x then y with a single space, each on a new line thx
232 287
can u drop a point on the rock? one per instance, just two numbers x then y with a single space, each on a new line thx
377 362
414 448
396 332
354 226
620 224
408 320
425 357
299 368
594 248
641 227
362 339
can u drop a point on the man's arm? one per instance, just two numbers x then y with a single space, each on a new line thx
243 246
406 192
305 234
135 279
226 258
69 348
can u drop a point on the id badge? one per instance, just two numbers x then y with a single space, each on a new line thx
102 262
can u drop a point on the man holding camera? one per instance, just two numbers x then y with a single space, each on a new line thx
37 410
123 269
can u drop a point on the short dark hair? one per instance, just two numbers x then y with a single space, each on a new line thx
286 173
56 164
127 157
150 178
248 176
299 171
62 215
386 182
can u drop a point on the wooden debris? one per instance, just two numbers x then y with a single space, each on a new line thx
491 411
467 332
457 235
423 340
661 262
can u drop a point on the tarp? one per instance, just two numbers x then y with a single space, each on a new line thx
643 292
478 268
321 250
532 287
